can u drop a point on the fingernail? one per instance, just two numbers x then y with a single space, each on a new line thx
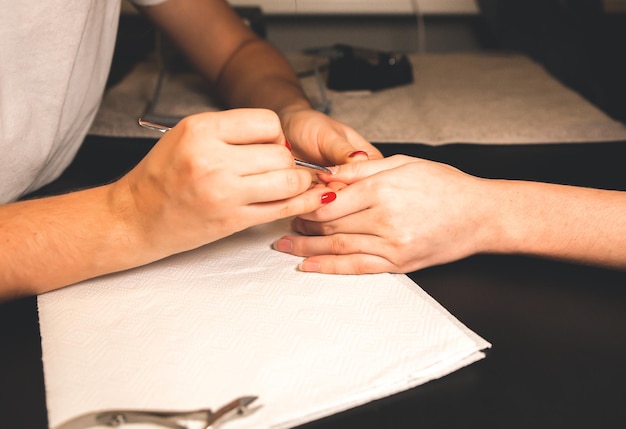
328 197
358 153
309 266
288 145
283 245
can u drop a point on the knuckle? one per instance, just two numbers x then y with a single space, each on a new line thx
260 120
360 266
328 229
338 245
401 157
202 127
271 120
217 197
402 242
192 167
398 252
296 182
300 226
190 124
295 207
286 210
380 190
284 156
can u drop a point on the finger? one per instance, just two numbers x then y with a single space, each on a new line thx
235 126
274 185
337 244
337 186
343 150
355 171
308 201
360 263
258 158
339 253
353 199
356 223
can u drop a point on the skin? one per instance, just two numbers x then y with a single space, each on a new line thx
210 176
249 72
402 214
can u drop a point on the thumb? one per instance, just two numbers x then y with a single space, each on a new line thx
348 150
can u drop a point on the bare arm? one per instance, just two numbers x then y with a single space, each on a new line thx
565 222
247 71
52 242
250 72
402 214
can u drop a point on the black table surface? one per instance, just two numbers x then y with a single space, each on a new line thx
558 330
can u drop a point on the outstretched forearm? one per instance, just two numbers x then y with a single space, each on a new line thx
52 242
563 222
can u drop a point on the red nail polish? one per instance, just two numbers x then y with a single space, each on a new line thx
358 152
288 145
328 197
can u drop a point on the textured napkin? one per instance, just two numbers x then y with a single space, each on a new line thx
236 318
455 98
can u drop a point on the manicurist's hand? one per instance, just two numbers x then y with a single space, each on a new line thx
318 138
397 214
212 175
215 174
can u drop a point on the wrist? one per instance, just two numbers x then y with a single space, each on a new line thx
287 112
517 218
497 232
295 120
126 224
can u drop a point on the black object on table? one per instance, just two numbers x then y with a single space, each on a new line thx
558 330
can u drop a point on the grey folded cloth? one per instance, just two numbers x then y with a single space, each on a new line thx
464 98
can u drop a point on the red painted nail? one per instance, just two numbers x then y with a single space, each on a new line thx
328 197
358 152
288 145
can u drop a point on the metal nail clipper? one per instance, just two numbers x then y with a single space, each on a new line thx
169 419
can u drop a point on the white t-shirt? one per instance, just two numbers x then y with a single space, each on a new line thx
55 58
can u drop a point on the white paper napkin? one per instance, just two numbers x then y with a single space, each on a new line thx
236 318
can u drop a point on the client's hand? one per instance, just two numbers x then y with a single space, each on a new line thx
397 214
212 175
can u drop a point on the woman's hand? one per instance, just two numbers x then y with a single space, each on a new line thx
318 138
212 175
397 214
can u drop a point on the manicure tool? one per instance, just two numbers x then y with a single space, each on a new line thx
168 419
163 129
